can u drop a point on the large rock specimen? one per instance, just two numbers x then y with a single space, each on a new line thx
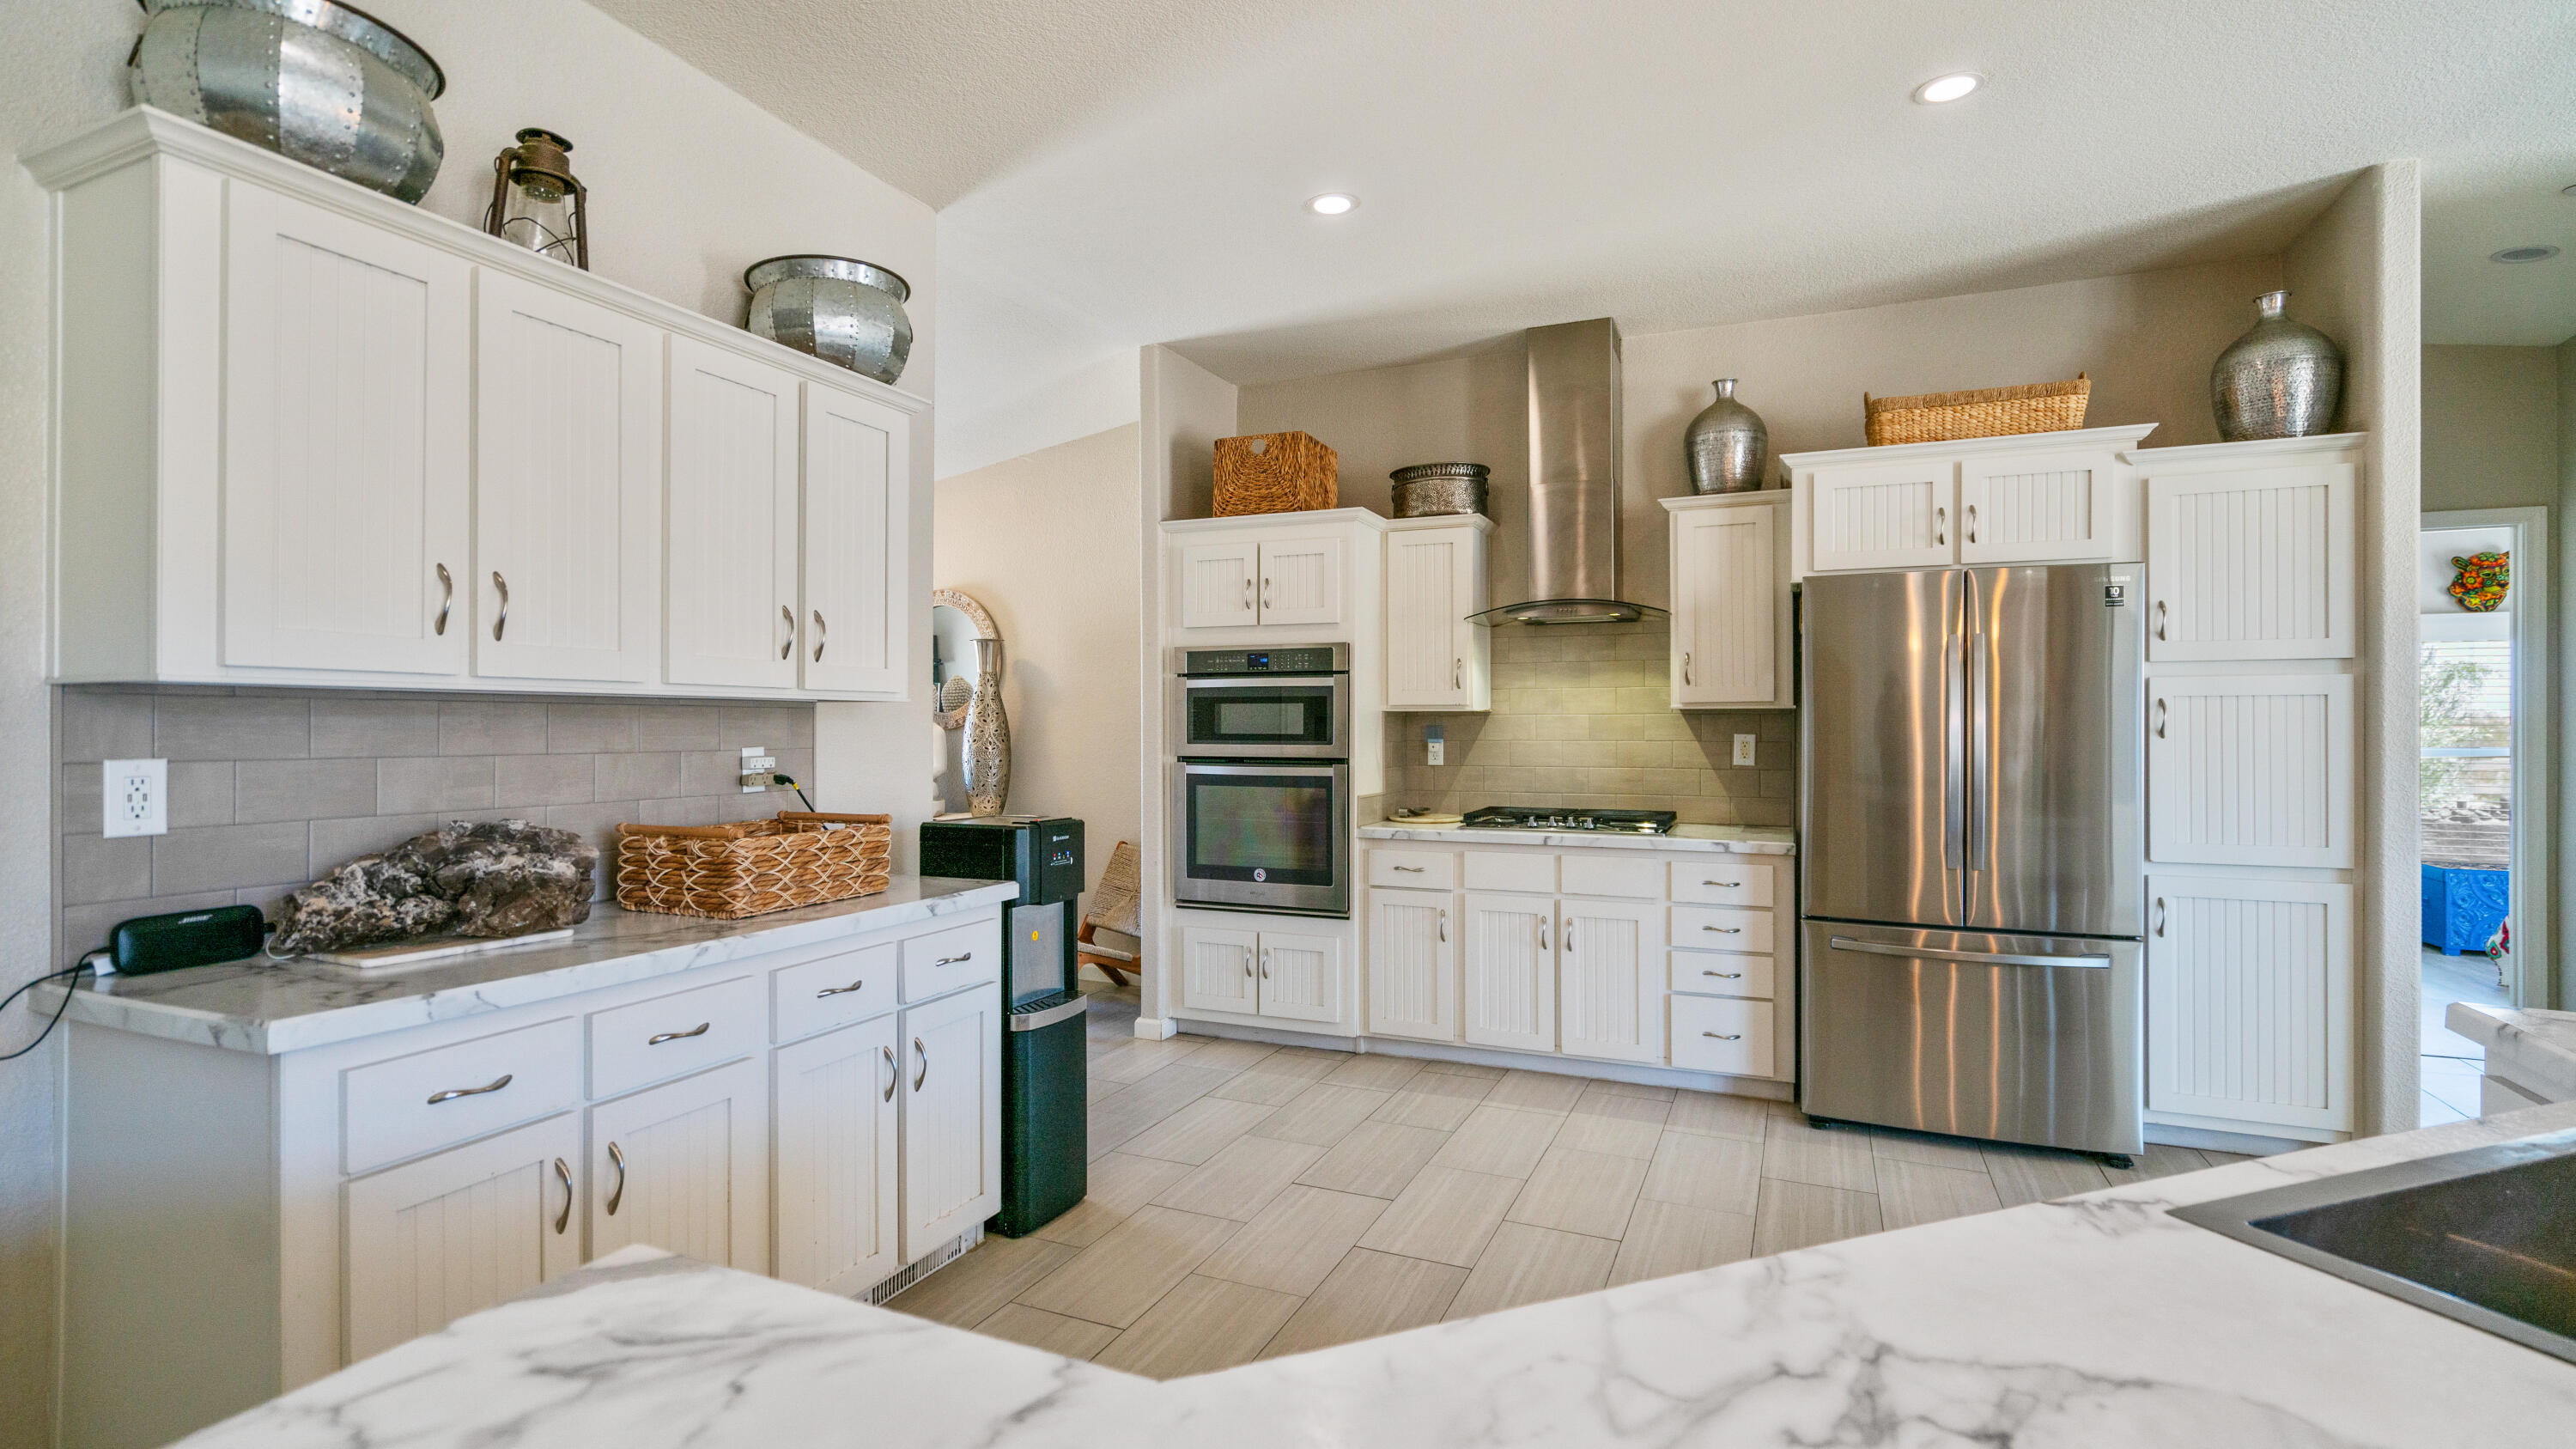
501 879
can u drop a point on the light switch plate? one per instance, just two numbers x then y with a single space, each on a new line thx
136 797
1744 749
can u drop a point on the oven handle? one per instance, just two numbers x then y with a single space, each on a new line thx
1261 681
1283 768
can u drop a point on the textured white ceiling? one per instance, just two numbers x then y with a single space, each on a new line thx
1116 172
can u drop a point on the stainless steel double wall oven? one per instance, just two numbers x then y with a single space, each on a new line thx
1261 788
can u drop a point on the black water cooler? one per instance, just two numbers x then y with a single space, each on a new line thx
1045 1095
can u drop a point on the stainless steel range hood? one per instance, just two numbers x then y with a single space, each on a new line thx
1573 480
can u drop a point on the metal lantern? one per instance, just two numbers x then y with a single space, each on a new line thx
536 200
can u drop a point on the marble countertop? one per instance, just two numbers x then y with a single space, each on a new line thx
268 1007
1734 839
2098 1321
2533 1049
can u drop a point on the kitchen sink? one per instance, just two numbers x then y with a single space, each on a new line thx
2486 1236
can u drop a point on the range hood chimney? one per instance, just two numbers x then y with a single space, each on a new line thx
1573 480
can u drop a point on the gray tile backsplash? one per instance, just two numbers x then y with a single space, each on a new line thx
271 788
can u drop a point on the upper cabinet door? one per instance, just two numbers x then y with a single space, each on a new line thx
1435 658
1883 515
346 420
858 490
2251 565
730 614
1301 581
1220 584
567 486
1730 619
2035 507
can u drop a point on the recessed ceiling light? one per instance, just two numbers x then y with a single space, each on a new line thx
2524 254
1943 89
1332 203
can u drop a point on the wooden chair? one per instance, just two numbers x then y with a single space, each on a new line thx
1113 907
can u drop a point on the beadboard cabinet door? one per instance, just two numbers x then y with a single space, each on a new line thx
952 1112
2250 770
1730 633
2251 564
838 1126
732 588
1507 977
857 539
1301 976
1221 584
346 416
567 487
1413 964
2036 507
1301 581
685 1166
1436 659
1218 970
1610 980
1883 515
2249 1000
458 1232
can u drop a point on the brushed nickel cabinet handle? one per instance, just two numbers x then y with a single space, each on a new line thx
1265 963
1444 923
822 635
789 647
1542 933
699 1030
1686 666
953 960
1726 885
1247 591
1457 672
1415 869
616 1195
1724 975
920 1054
841 990
1247 963
446 599
502 586
2160 915
1723 1036
2160 719
894 1074
2160 620
452 1093
1565 934
1940 526
563 1175
1725 930
1265 591
1972 523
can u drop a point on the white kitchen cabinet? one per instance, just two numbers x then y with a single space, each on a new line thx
1245 579
1301 580
460 1231
2037 507
857 532
951 1095
1610 980
1731 645
2249 1001
1507 974
1437 658
1292 975
1893 515
346 387
685 1166
1413 964
1219 969
567 488
2061 497
1221 584
837 1164
732 547
2252 563
2249 769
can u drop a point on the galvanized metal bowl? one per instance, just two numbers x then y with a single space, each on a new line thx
838 308
313 80
1436 490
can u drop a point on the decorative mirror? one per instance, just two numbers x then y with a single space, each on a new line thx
956 622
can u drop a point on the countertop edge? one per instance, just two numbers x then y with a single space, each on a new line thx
2533 1048
1460 835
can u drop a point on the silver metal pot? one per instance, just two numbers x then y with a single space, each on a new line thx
2283 379
837 308
1728 444
312 80
1436 490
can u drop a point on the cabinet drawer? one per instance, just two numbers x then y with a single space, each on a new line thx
1722 928
1715 1034
673 1035
831 991
1501 870
1719 882
1633 877
943 961
1719 973
1414 869
400 1109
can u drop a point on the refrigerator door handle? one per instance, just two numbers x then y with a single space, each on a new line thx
1981 759
1975 958
1954 785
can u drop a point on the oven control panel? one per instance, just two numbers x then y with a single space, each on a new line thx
1297 659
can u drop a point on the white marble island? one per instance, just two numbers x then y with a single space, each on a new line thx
2098 1321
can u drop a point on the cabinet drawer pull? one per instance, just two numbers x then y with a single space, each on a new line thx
452 1093
1724 975
1727 885
920 1054
1415 869
660 1037
1723 1036
953 960
446 599
822 635
789 647
1725 930
501 622
617 1194
841 990
894 1074
563 1175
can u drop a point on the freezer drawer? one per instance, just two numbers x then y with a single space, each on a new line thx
2013 1038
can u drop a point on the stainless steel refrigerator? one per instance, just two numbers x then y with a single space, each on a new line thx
1972 910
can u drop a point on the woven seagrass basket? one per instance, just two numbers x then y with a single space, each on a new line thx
1275 473
753 867
1987 412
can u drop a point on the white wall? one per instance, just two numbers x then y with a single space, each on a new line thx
1091 399
690 184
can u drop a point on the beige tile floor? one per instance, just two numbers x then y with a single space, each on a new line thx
1250 1201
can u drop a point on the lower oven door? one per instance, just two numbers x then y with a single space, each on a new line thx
1262 837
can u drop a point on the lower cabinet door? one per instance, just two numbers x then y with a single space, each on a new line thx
685 1167
468 1228
1507 974
1413 965
839 1223
2249 1000
1301 976
1610 980
951 1052
1217 970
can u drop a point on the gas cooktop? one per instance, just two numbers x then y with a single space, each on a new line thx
1607 822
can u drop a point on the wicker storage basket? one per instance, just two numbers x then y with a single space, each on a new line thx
754 867
1990 412
1274 473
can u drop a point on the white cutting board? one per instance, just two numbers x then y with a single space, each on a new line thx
430 948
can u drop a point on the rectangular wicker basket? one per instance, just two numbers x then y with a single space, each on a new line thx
753 867
1989 412
1275 473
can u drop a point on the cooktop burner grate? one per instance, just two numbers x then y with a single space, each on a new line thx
1606 822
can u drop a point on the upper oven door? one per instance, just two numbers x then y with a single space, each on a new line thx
1292 716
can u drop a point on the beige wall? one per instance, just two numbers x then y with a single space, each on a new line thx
2560 977
2490 427
1048 543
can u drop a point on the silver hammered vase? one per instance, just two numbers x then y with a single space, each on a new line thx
1728 444
988 735
2281 380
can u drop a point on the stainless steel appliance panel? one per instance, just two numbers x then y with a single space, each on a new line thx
1884 721
2017 1038
1262 837
2054 760
1300 712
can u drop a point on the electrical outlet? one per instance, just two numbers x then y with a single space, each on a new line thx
1744 749
1439 751
136 794
757 766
